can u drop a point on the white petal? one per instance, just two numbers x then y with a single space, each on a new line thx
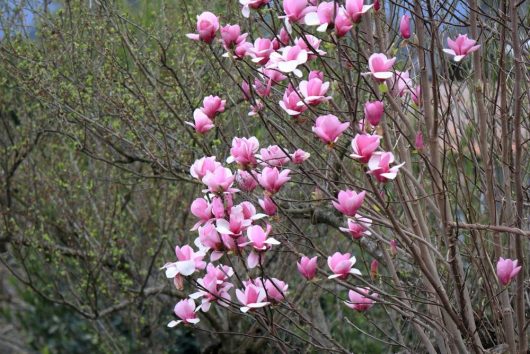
185 267
193 320
272 241
311 19
173 323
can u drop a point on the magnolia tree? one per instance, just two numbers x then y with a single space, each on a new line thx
380 169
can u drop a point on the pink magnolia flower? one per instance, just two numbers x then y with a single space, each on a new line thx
284 36
418 144
374 266
202 123
363 146
261 51
329 128
380 66
404 26
200 167
209 239
289 60
307 267
299 156
251 4
461 47
349 202
250 212
313 91
247 181
231 36
271 179
507 269
343 24
241 50
207 26
263 89
201 209
273 75
316 74
399 83
323 17
236 224
295 10
274 156
276 289
212 105
220 180
290 102
243 151
379 166
355 9
188 262
218 207
311 45
358 228
211 291
359 300
260 241
268 205
373 112
415 94
185 310
251 297
342 265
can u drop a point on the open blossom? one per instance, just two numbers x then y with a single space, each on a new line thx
211 105
243 151
379 166
363 146
359 300
251 297
404 26
236 224
461 47
507 269
291 102
187 262
202 123
311 44
207 26
261 51
201 166
209 239
263 89
358 227
274 156
323 17
313 91
329 128
231 36
349 202
218 206
251 4
185 310
214 286
342 265
276 289
289 59
260 242
247 181
296 10
380 66
373 112
268 205
220 180
307 267
355 9
250 212
299 156
271 179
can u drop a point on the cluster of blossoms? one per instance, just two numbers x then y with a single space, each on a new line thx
227 228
